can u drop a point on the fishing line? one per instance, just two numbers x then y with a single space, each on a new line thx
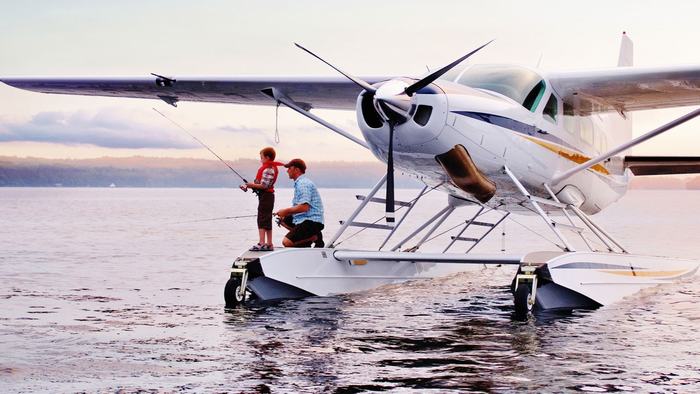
203 144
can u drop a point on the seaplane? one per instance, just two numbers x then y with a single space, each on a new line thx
496 139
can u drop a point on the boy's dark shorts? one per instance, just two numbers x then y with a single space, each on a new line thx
266 202
302 231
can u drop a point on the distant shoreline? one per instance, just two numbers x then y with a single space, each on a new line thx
150 172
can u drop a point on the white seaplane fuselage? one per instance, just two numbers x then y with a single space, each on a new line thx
536 143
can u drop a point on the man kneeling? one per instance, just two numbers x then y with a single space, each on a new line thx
304 219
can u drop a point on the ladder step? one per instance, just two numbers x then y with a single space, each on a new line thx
465 239
383 201
568 226
547 202
369 225
484 224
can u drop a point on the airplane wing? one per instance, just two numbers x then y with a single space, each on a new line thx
310 92
625 89
662 165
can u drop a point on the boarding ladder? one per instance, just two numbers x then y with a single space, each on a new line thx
370 198
473 223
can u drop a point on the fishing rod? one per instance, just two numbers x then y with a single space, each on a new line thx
203 144
221 218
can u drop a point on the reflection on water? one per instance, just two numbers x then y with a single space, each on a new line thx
96 294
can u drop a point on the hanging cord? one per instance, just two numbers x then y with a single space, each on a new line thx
384 217
277 117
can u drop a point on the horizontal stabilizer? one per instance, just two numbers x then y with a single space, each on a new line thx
663 165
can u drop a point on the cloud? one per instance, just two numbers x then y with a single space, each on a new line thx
241 129
105 128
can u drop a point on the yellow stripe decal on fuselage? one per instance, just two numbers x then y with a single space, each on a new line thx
567 154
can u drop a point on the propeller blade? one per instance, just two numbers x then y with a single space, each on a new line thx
390 215
427 80
364 85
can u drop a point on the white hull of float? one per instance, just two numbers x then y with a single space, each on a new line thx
326 272
606 277
563 280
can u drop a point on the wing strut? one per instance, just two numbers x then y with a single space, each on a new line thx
625 146
280 97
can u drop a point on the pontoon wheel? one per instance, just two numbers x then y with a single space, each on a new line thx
232 292
521 300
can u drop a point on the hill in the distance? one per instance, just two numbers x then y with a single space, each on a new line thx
171 172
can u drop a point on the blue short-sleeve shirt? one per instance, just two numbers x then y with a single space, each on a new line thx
305 192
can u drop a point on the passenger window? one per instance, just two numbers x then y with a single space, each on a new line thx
551 108
601 142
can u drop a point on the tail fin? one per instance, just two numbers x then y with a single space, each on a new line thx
621 123
626 57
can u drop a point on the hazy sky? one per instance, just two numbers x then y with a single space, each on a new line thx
129 37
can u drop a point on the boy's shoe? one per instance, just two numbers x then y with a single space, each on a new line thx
267 248
256 248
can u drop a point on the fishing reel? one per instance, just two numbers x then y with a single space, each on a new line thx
245 189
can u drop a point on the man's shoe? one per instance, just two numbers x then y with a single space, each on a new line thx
319 241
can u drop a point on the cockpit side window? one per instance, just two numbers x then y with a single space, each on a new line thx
551 108
533 98
520 84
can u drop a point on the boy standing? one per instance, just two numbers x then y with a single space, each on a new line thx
264 184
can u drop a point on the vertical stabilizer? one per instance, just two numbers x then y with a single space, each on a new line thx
626 57
620 124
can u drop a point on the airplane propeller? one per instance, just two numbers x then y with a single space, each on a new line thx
393 102
427 80
364 85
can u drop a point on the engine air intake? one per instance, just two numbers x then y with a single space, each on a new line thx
422 115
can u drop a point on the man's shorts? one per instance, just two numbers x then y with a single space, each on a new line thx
303 231
266 202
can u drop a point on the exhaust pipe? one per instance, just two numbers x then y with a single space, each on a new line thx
460 167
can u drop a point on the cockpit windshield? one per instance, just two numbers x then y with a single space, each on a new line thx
518 83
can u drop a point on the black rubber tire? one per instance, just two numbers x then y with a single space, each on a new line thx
231 292
520 297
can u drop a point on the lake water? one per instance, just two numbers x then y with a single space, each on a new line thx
121 289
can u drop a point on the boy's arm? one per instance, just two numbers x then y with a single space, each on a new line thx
251 185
